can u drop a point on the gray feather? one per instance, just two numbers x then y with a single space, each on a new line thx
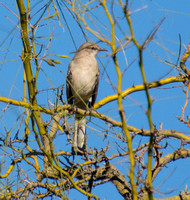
82 87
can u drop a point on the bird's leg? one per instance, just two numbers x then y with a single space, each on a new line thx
91 109
73 108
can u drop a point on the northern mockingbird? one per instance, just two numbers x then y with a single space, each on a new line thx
82 87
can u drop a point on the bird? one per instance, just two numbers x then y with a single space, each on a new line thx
82 87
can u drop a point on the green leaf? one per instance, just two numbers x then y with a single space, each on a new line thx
62 56
56 61
51 62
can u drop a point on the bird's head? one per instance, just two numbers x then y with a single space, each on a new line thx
90 48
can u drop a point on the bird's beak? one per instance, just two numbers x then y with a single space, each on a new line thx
101 49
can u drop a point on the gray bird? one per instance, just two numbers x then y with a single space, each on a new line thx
82 88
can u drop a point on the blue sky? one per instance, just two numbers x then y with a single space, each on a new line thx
164 49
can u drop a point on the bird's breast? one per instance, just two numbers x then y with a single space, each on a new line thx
84 78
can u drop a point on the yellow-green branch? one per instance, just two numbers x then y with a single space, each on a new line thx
120 105
140 50
140 88
101 102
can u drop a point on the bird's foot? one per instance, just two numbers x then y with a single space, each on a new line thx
78 151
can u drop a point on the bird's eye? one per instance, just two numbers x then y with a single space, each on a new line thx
94 48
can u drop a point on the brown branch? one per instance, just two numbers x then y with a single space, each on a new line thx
184 59
178 154
181 196
108 173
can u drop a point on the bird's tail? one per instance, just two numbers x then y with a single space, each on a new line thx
80 132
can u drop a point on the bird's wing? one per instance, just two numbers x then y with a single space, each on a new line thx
68 89
95 92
